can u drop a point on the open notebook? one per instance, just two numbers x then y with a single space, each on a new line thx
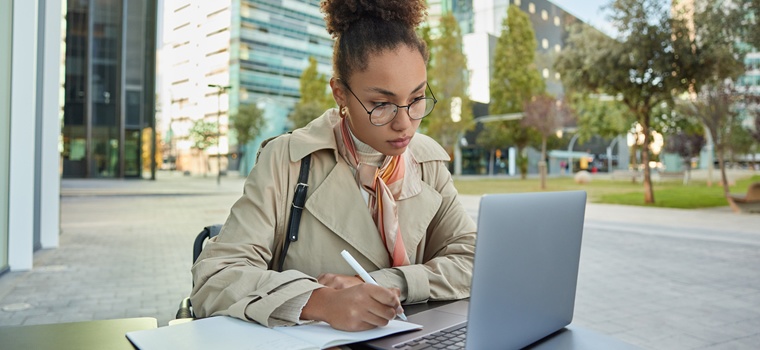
222 332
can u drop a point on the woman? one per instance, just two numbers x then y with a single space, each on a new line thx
376 189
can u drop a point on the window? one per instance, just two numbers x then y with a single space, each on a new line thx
556 21
545 43
544 15
531 8
545 73
517 2
557 48
557 76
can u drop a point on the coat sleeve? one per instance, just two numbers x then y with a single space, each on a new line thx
232 276
445 271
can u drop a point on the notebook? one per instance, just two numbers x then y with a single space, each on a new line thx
524 279
224 332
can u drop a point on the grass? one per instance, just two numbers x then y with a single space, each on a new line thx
667 194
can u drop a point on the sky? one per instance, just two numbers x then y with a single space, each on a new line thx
590 11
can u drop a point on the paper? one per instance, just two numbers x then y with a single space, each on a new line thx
224 332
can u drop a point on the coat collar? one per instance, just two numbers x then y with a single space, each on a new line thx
319 135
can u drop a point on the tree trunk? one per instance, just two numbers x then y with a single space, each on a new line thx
542 163
724 180
490 163
648 190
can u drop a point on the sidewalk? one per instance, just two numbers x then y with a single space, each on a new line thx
685 279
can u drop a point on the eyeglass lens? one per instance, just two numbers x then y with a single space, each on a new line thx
383 114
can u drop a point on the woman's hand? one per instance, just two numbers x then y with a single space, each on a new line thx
338 281
357 308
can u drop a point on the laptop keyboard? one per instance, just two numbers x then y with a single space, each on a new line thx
449 338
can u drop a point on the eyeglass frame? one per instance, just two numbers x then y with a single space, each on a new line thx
369 112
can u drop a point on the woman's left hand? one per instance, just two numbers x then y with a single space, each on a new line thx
338 281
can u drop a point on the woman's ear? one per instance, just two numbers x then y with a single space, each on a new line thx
339 94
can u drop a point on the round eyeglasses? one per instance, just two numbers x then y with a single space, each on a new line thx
385 112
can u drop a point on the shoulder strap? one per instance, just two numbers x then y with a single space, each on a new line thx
299 200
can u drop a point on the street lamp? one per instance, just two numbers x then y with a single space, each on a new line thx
219 90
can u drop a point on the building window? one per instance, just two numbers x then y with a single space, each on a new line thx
545 73
557 48
531 8
556 21
517 2
557 76
545 43
544 15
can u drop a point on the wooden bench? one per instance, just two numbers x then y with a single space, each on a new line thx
749 202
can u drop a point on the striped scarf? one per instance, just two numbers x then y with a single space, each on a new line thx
394 180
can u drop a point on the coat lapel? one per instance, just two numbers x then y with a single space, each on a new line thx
415 214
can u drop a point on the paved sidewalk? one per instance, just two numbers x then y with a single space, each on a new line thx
686 279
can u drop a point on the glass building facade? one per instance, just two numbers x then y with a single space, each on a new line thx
256 50
109 87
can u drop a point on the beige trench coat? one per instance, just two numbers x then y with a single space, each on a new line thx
233 276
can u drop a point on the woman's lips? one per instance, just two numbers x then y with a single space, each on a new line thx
400 142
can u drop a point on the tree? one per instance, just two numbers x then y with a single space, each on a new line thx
544 114
424 32
740 142
655 57
515 80
315 98
247 121
202 135
714 107
452 115
687 145
596 115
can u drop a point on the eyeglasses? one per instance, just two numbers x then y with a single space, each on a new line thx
385 112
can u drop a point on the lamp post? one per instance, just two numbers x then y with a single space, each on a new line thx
219 90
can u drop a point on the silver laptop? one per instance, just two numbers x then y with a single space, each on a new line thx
524 279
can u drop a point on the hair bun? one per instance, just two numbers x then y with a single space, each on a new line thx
340 14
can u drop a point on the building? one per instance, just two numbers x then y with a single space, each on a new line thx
109 88
222 54
550 24
461 9
30 67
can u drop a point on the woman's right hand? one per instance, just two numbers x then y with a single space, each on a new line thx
357 308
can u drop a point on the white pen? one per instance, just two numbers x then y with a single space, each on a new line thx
363 273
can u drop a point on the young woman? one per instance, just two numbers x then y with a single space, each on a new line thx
376 189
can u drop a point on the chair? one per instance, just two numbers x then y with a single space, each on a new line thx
185 307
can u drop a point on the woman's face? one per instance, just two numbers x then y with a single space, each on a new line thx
397 76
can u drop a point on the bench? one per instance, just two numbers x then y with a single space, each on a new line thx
749 202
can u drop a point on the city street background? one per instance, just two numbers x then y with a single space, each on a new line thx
656 278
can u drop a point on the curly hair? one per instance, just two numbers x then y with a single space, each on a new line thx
364 27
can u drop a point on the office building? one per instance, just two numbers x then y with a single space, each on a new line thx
30 67
222 54
461 9
109 88
550 24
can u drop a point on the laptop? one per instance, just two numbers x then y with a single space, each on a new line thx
524 279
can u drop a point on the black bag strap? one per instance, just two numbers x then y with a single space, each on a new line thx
299 200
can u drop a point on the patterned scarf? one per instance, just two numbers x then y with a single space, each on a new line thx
397 178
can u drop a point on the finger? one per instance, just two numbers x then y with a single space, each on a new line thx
380 316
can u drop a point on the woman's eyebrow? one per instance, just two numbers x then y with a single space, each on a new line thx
391 93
